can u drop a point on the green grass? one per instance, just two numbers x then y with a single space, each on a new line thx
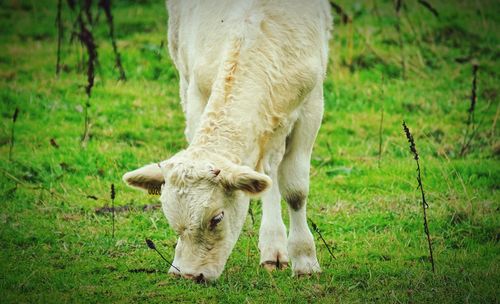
55 247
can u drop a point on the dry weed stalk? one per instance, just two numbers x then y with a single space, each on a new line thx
82 29
250 212
106 6
341 12
429 6
376 10
152 246
60 33
397 6
113 194
14 119
316 229
380 136
87 39
381 124
470 119
413 150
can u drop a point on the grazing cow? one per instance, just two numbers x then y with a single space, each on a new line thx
251 87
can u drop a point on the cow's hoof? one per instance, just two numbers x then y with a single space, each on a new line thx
305 266
299 274
273 265
273 247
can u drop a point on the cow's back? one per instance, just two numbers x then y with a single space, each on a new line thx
200 32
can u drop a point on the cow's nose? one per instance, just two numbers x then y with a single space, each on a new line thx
197 278
187 276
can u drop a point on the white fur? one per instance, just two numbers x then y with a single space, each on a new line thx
251 75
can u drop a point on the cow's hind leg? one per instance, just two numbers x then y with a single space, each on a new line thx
294 186
272 234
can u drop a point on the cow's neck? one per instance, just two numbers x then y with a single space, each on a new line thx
235 131
235 123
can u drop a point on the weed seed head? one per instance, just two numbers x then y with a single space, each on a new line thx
411 141
113 193
150 244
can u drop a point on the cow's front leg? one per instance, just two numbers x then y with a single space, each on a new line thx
300 239
295 183
272 234
294 186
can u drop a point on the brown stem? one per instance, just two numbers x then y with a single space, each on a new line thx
316 229
428 6
87 39
86 130
341 12
59 35
380 136
14 119
106 6
113 207
250 211
470 119
413 150
400 38
424 209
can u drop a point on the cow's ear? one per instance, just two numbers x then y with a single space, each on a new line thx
149 178
245 179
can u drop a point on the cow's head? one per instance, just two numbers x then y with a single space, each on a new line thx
205 202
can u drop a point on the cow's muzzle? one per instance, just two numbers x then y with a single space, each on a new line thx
200 278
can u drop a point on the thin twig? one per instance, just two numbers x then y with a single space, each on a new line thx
376 10
475 130
113 193
87 6
106 6
59 35
413 149
250 211
27 185
428 6
17 180
86 130
86 38
417 37
473 97
494 124
14 119
397 6
380 129
329 148
381 124
339 10
390 60
316 229
470 119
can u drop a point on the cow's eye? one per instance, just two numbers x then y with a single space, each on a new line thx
216 220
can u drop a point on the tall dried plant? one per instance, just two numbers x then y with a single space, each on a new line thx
413 150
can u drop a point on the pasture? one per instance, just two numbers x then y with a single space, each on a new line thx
56 222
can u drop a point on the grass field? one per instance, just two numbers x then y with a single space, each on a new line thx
55 237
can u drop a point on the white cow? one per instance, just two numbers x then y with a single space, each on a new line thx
251 86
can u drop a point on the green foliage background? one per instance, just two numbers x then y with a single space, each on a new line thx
57 247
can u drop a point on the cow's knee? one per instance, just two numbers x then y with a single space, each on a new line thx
296 198
303 254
